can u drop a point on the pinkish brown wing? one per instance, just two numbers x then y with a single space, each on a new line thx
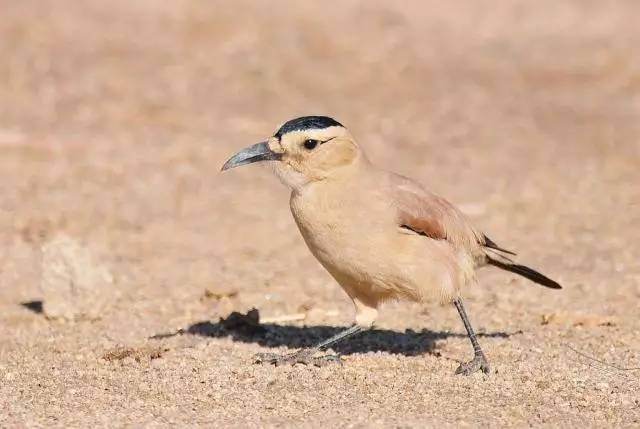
431 215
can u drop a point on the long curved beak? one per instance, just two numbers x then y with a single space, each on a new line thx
258 152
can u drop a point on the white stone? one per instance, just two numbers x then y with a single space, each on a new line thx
74 284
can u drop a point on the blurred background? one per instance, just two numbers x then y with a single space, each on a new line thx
115 118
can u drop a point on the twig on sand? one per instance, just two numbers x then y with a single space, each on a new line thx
601 362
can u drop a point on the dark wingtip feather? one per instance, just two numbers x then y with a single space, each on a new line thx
526 272
492 245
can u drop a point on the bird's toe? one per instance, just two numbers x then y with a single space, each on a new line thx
325 360
268 358
304 357
479 363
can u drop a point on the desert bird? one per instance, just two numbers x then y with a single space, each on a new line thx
382 236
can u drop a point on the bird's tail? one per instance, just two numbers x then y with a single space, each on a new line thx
524 271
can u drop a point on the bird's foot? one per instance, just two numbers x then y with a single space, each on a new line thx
479 363
304 356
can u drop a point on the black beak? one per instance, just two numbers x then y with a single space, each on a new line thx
251 154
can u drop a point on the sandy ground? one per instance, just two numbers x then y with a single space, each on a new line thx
116 116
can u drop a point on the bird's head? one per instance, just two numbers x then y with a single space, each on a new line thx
304 150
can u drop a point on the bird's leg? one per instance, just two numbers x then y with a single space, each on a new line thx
305 356
479 361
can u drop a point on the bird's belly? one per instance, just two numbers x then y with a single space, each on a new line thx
369 263
380 265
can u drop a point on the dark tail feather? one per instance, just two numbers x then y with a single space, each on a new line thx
526 272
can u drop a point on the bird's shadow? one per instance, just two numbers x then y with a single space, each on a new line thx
247 329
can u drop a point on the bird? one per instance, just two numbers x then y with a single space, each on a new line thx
382 236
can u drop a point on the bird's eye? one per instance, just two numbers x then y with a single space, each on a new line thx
310 144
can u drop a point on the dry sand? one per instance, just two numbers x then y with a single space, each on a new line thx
116 116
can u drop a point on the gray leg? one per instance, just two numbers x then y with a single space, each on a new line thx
305 356
479 361
339 337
